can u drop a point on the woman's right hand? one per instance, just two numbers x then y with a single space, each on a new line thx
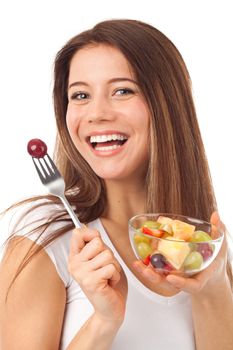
93 265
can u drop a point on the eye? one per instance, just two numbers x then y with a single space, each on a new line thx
123 92
79 96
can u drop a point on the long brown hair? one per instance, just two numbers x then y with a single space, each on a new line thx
178 178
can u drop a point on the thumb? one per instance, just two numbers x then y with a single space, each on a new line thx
217 225
215 218
77 243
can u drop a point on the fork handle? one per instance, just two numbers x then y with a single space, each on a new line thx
72 214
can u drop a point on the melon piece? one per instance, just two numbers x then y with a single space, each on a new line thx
165 224
164 220
175 251
182 230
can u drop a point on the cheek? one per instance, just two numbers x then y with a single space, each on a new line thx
141 117
72 120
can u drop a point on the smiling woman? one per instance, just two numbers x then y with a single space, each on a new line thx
105 102
128 142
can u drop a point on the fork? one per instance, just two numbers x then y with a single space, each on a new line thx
52 179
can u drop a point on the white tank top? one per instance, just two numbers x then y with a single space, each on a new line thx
152 321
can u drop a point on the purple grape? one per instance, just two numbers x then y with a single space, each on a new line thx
205 250
158 260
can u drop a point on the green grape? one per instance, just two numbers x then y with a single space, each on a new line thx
143 249
193 261
138 238
200 236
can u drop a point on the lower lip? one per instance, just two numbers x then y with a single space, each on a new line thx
108 153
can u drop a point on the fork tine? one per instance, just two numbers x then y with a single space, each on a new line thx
56 171
38 171
49 167
44 168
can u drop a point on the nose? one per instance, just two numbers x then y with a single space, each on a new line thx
100 109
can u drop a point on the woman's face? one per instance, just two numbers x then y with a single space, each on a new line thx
107 116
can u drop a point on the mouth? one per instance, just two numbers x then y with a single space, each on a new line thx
108 142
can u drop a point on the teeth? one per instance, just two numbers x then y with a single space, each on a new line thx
105 138
107 148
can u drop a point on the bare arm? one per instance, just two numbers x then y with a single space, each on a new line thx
95 334
33 314
212 302
213 318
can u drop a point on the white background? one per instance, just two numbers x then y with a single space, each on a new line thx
31 32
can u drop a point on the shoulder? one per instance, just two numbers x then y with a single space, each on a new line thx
19 260
44 224
41 220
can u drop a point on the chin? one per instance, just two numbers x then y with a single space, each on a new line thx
107 176
110 175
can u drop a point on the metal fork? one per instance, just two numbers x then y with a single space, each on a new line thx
52 179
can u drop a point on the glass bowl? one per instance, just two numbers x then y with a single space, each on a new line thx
173 243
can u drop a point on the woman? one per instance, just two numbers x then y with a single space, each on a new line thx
128 142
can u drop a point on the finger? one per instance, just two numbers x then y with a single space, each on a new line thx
79 239
151 275
108 273
190 285
155 277
76 242
138 266
219 229
148 272
104 258
115 279
92 249
215 220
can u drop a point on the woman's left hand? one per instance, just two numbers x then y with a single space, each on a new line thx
214 274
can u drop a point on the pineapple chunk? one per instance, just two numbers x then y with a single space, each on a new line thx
182 230
175 252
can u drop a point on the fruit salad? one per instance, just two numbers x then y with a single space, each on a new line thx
173 245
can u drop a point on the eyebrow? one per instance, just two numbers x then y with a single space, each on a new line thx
113 80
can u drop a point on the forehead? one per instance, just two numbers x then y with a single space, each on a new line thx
99 60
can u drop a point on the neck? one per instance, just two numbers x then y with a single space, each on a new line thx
124 200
